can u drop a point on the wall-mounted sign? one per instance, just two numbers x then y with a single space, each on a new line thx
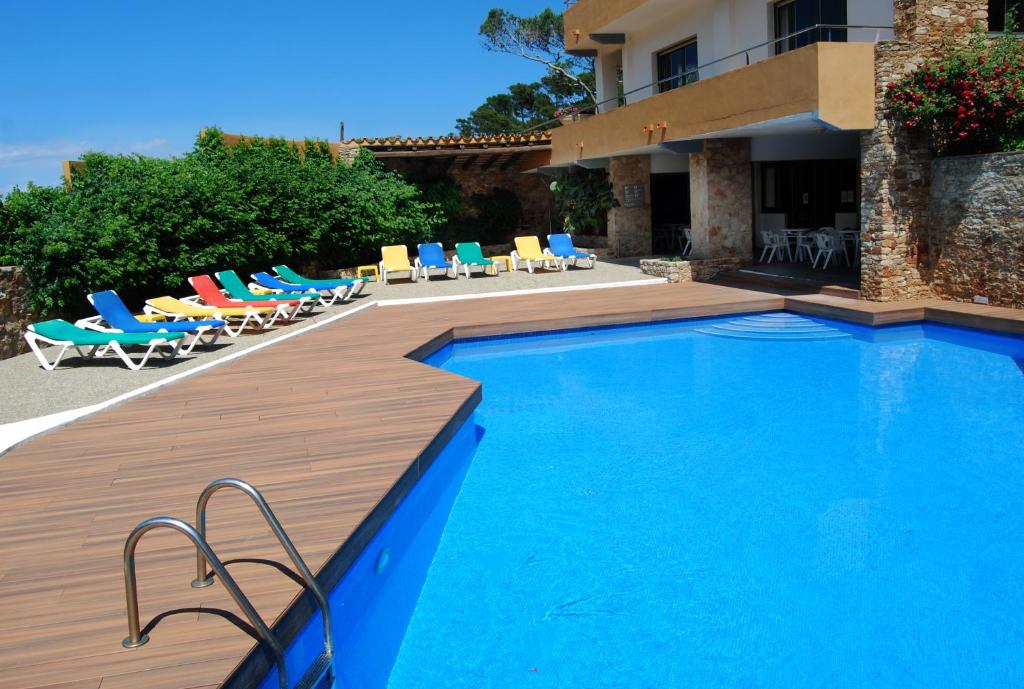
632 196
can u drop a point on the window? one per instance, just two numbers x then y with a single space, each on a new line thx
677 67
798 16
998 10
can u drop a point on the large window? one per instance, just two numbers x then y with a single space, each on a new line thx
799 16
677 67
998 10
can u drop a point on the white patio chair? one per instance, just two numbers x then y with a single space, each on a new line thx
826 247
805 247
774 245
688 236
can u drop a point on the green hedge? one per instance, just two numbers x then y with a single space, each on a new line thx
143 225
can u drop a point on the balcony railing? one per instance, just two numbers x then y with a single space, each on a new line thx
818 33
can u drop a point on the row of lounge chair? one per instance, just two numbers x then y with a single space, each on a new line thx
560 253
169 326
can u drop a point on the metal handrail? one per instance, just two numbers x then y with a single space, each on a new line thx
746 52
202 579
135 636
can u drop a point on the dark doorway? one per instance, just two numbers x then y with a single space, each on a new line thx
670 209
809 192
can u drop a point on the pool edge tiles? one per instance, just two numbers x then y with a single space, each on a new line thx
378 589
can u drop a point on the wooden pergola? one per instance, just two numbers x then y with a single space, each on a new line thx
504 152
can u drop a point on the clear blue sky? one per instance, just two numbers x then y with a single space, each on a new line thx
142 76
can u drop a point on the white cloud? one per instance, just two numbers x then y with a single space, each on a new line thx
32 154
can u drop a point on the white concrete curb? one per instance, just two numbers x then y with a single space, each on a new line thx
522 292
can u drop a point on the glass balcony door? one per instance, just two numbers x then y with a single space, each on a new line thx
677 67
795 16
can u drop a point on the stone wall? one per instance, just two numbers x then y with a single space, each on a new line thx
895 167
697 270
532 190
976 228
629 229
721 186
15 312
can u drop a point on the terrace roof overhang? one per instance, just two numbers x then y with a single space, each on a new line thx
505 152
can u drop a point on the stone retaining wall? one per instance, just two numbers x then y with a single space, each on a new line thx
976 228
697 270
15 311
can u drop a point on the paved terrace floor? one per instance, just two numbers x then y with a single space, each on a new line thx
324 424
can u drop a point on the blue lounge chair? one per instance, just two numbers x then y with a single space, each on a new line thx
342 292
432 256
561 245
114 317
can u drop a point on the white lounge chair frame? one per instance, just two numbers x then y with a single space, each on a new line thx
425 270
456 263
205 335
251 316
590 258
324 297
548 258
414 274
156 344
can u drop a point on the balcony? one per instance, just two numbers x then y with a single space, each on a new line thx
820 86
588 17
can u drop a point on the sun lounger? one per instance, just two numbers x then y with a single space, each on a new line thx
469 254
561 245
432 256
289 275
115 317
340 293
211 295
395 259
90 343
528 251
237 289
182 310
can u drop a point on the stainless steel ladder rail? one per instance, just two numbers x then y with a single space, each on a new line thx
203 579
135 636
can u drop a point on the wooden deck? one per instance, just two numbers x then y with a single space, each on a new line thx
325 424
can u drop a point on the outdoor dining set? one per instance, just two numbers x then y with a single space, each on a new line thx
822 246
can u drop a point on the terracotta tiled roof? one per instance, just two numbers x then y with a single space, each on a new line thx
504 140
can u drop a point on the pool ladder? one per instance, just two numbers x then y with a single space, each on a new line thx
204 555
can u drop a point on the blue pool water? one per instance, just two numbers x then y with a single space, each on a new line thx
759 501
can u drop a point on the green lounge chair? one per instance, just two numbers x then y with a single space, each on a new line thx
90 343
236 289
470 254
289 275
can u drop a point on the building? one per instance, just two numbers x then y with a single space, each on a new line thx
737 116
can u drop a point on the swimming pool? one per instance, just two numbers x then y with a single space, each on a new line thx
767 500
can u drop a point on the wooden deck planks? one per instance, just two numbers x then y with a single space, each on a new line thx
339 416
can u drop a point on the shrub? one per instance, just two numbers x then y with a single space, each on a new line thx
143 225
583 198
970 100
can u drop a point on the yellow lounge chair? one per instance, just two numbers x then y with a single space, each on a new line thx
528 251
187 310
395 259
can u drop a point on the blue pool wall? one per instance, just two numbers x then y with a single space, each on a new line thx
371 609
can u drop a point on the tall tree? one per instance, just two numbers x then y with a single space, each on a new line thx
522 107
569 80
539 39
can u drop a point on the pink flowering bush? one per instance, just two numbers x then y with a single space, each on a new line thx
970 100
